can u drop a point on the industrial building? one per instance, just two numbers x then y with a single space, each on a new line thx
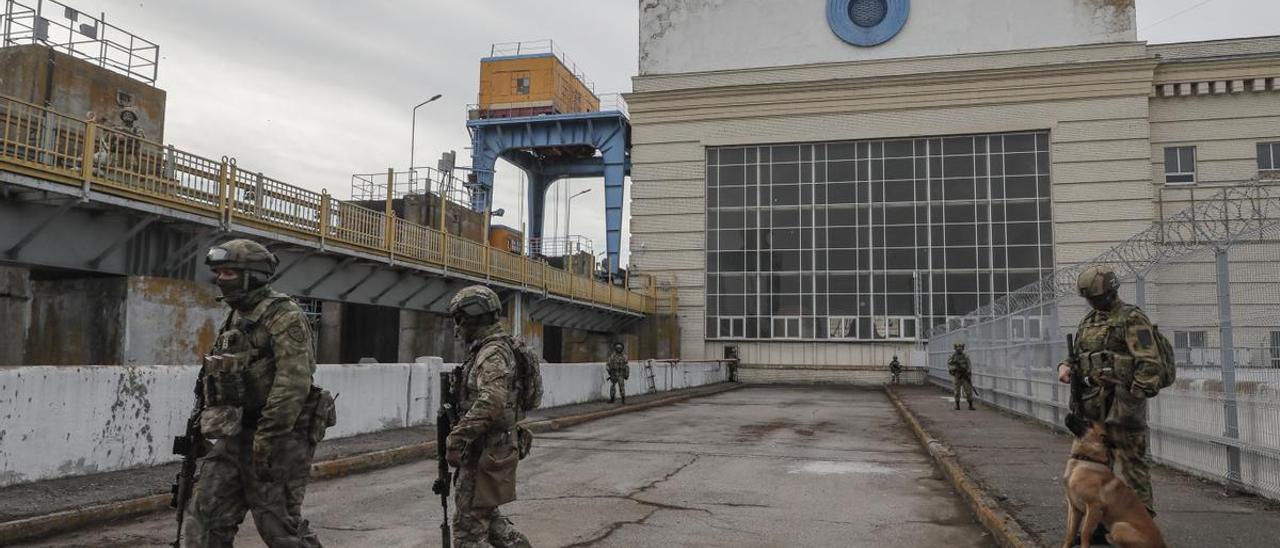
828 181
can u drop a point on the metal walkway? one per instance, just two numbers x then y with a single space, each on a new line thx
62 201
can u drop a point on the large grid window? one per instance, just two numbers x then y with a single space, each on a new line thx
872 240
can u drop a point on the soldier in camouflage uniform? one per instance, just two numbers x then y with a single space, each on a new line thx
895 369
258 464
618 372
961 375
1120 361
488 413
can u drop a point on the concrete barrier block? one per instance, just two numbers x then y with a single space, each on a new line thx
371 397
67 421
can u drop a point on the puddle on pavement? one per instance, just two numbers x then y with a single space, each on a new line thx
826 468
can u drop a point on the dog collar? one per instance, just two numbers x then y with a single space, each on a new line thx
1090 459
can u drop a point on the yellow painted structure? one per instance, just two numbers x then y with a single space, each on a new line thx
529 85
71 152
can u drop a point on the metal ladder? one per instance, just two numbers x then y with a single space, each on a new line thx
648 376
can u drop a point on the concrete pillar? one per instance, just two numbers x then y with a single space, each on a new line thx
329 347
15 313
169 322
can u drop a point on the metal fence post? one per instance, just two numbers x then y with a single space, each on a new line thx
1140 291
1227 342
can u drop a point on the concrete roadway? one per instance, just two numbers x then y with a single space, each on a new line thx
768 466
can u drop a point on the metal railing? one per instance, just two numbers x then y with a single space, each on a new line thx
79 35
372 187
541 47
1206 277
41 143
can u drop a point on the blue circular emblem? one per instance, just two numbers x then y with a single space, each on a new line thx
867 23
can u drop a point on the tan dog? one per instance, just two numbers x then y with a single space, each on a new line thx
1096 494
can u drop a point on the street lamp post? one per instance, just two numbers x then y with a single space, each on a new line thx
413 132
568 210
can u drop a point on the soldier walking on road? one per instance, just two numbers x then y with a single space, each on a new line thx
486 433
961 375
618 372
895 368
261 410
1121 362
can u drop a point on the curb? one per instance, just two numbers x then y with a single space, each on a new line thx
64 521
1006 530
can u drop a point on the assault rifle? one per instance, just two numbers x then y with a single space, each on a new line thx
191 447
1076 407
446 417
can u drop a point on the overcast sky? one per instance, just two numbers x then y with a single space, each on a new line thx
311 92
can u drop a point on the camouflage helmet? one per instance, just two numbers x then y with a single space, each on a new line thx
1096 281
958 346
242 254
476 300
617 345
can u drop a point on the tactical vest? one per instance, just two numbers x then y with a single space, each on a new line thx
244 336
1104 353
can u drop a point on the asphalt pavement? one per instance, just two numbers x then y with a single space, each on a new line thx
761 466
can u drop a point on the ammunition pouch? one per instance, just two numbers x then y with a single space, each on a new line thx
496 475
319 412
223 413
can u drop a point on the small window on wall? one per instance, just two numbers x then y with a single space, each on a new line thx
1269 157
1275 349
523 84
1179 165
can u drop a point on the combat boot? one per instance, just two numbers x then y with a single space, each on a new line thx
971 405
957 405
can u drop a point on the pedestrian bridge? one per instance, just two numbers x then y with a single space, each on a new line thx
82 196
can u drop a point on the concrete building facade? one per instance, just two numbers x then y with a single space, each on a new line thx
823 199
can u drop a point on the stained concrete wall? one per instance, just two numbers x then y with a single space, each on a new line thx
681 36
66 421
76 321
40 75
169 321
15 313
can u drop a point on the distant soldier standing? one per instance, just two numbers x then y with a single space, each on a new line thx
1122 364
260 408
486 433
961 375
618 372
895 368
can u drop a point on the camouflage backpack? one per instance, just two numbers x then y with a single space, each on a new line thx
1168 363
528 374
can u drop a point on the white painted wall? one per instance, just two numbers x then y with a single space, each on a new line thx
67 421
678 36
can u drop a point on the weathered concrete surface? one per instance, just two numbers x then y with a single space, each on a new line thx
15 312
753 467
169 321
67 421
678 36
1021 462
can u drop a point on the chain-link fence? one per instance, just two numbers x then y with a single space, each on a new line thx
1207 278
